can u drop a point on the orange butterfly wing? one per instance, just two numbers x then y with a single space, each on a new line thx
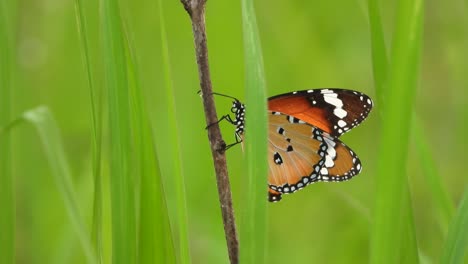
304 127
301 154
334 111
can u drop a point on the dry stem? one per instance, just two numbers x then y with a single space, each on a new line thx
196 10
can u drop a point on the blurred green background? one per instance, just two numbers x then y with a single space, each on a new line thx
306 44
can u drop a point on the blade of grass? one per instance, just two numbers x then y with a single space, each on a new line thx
409 251
66 244
379 51
122 182
155 236
408 247
95 129
392 190
179 182
456 243
7 199
445 208
49 133
253 231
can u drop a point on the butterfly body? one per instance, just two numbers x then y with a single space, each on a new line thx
303 139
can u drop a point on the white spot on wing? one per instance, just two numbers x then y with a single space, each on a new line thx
341 123
330 143
324 171
329 162
333 100
340 112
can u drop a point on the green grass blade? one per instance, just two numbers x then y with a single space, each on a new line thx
155 237
7 201
379 51
392 195
179 182
445 208
456 244
122 181
49 133
253 229
380 70
95 127
409 246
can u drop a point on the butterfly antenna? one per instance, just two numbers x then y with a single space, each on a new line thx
200 93
225 95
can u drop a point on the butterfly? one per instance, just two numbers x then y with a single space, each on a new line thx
303 139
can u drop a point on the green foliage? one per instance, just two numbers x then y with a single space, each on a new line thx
456 243
49 134
122 181
176 163
96 127
254 222
393 222
155 238
7 200
130 178
445 208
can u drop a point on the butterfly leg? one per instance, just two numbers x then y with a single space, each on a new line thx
224 117
238 139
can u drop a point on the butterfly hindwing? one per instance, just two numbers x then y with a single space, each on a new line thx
301 154
334 111
296 153
341 163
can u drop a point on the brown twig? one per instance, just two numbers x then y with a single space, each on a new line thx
196 10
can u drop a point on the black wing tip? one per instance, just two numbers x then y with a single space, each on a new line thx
273 198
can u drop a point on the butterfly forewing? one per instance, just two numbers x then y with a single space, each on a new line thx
334 111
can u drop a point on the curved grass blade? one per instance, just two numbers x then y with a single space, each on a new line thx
456 244
445 208
49 133
95 127
253 229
